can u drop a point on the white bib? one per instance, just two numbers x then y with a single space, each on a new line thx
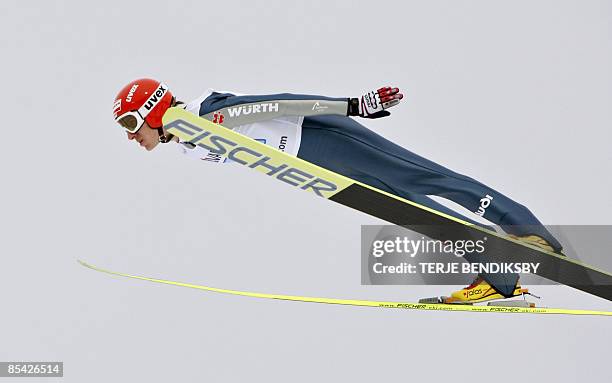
282 133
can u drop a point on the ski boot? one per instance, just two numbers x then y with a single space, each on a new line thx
480 291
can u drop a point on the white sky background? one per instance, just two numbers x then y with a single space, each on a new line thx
515 94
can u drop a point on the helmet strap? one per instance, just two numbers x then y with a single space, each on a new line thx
162 137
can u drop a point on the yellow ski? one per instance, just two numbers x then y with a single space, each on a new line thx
366 303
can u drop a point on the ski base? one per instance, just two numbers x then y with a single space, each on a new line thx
512 304
365 303
499 303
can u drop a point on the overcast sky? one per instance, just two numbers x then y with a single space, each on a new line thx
515 94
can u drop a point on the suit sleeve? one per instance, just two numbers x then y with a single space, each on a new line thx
239 110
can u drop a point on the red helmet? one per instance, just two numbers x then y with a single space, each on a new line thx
139 101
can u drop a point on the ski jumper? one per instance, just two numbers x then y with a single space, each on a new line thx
317 129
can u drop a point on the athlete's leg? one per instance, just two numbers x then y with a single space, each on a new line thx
503 283
420 199
357 150
344 146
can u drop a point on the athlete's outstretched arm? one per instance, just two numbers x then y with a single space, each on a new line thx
374 104
240 110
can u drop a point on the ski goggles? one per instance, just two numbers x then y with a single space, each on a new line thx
133 120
